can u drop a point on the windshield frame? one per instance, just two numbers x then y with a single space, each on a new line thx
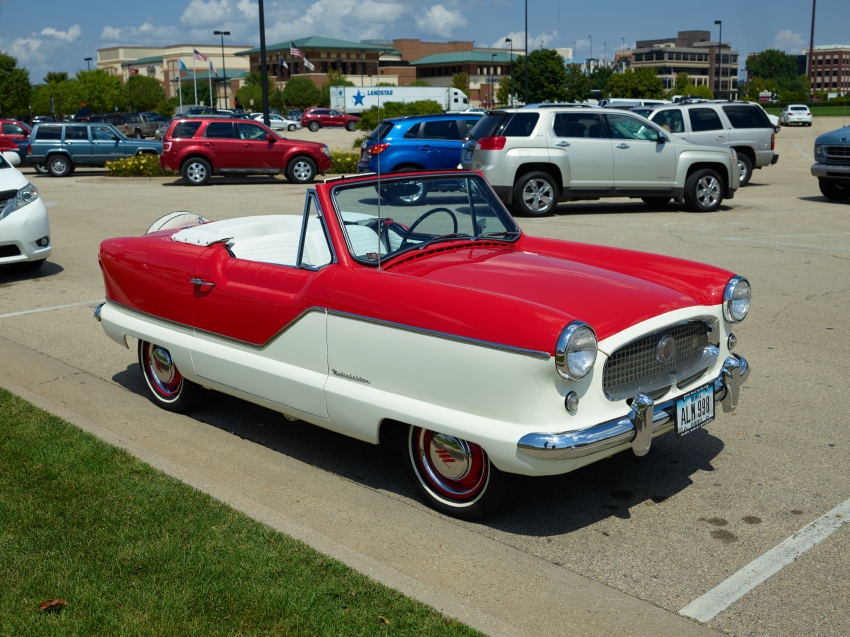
487 190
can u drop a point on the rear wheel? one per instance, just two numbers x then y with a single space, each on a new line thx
301 170
834 190
41 169
314 126
703 191
196 171
167 386
745 168
656 201
59 166
455 476
536 194
351 126
291 127
138 134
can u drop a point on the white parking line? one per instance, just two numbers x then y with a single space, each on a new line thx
805 154
730 590
47 309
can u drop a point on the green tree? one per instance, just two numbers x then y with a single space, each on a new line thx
547 76
143 93
640 84
578 84
252 89
100 91
684 86
335 78
599 79
187 90
385 84
683 80
772 64
420 83
503 93
55 76
460 81
300 93
758 85
64 94
14 87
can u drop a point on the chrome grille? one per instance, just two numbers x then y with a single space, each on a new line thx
634 368
838 153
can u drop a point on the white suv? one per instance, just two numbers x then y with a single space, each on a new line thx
536 157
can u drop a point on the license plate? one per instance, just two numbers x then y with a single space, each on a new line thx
694 409
467 156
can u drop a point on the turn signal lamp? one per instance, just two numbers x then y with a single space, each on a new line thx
377 149
492 143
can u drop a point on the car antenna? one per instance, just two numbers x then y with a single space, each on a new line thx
379 182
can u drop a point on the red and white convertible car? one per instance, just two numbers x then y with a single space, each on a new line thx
415 304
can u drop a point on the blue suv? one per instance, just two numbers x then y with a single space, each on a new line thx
416 142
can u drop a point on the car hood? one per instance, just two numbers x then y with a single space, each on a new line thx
608 299
840 136
12 179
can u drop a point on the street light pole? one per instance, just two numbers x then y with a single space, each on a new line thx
88 64
591 53
361 67
720 55
493 66
224 65
511 72
526 51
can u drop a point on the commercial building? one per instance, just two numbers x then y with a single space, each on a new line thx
714 64
163 64
830 69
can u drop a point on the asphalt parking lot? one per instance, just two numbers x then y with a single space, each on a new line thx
622 545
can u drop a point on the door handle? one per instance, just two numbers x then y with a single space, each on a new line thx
425 147
622 146
719 138
199 281
248 145
562 144
208 143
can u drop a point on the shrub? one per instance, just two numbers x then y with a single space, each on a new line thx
145 165
344 161
358 142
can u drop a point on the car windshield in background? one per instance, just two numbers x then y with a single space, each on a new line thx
418 213
500 124
642 111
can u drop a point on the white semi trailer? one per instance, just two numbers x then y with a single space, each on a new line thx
355 99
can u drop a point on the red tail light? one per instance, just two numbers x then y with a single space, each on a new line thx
772 141
377 149
166 147
492 143
29 149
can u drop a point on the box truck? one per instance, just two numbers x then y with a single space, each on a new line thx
354 99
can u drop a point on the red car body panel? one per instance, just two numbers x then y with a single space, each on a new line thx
518 294
326 118
239 155
8 137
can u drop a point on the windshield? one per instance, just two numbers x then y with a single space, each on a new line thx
416 213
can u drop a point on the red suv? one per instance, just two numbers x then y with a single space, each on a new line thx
11 131
200 148
316 118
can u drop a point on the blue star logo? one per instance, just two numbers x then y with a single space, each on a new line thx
358 98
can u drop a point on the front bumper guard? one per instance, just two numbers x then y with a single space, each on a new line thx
643 421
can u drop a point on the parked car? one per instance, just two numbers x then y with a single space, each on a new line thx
316 118
138 125
24 226
430 142
742 126
41 119
61 147
795 114
832 167
200 148
320 318
278 122
294 113
625 103
12 130
535 158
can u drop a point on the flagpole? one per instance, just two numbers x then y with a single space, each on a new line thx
209 77
194 75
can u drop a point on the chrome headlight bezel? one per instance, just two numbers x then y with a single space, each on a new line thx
24 196
736 287
568 341
818 149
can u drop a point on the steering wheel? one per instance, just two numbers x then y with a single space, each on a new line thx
425 216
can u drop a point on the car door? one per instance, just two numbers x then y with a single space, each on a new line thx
335 118
76 142
439 144
14 131
105 144
671 120
260 327
641 162
257 152
579 147
224 145
707 127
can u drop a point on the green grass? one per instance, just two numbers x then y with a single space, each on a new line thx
135 552
830 110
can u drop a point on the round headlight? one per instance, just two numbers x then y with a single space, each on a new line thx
575 352
736 299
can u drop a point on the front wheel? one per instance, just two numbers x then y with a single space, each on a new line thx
314 126
291 128
745 168
351 127
455 476
656 201
833 190
703 191
167 386
138 134
59 166
536 194
301 170
196 171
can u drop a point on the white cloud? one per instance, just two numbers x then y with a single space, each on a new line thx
69 36
789 42
440 21
205 14
345 19
518 37
147 34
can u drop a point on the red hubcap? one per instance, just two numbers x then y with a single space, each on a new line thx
453 467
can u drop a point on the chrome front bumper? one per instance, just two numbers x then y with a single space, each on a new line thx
835 171
638 427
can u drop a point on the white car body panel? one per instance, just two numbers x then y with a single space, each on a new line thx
24 226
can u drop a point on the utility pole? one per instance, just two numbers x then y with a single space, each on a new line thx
812 46
263 70
720 57
223 66
526 51
511 72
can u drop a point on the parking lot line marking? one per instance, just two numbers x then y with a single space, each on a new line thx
733 588
47 309
805 154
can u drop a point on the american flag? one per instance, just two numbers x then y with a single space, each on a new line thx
294 51
198 55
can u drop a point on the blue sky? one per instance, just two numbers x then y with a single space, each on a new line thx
56 35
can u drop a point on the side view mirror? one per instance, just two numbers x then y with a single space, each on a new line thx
776 129
662 137
271 138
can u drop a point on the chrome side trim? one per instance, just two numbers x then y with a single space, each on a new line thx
632 427
222 337
544 356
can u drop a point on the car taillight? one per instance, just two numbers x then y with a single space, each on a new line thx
29 149
166 146
772 141
492 143
377 149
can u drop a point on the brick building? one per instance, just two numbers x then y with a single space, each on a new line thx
830 68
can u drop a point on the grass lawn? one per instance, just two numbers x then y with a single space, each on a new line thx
830 110
135 552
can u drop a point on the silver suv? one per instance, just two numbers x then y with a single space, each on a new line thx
739 125
536 157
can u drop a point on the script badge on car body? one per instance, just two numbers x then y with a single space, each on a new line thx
694 409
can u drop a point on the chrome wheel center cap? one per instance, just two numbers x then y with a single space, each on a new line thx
450 456
161 365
